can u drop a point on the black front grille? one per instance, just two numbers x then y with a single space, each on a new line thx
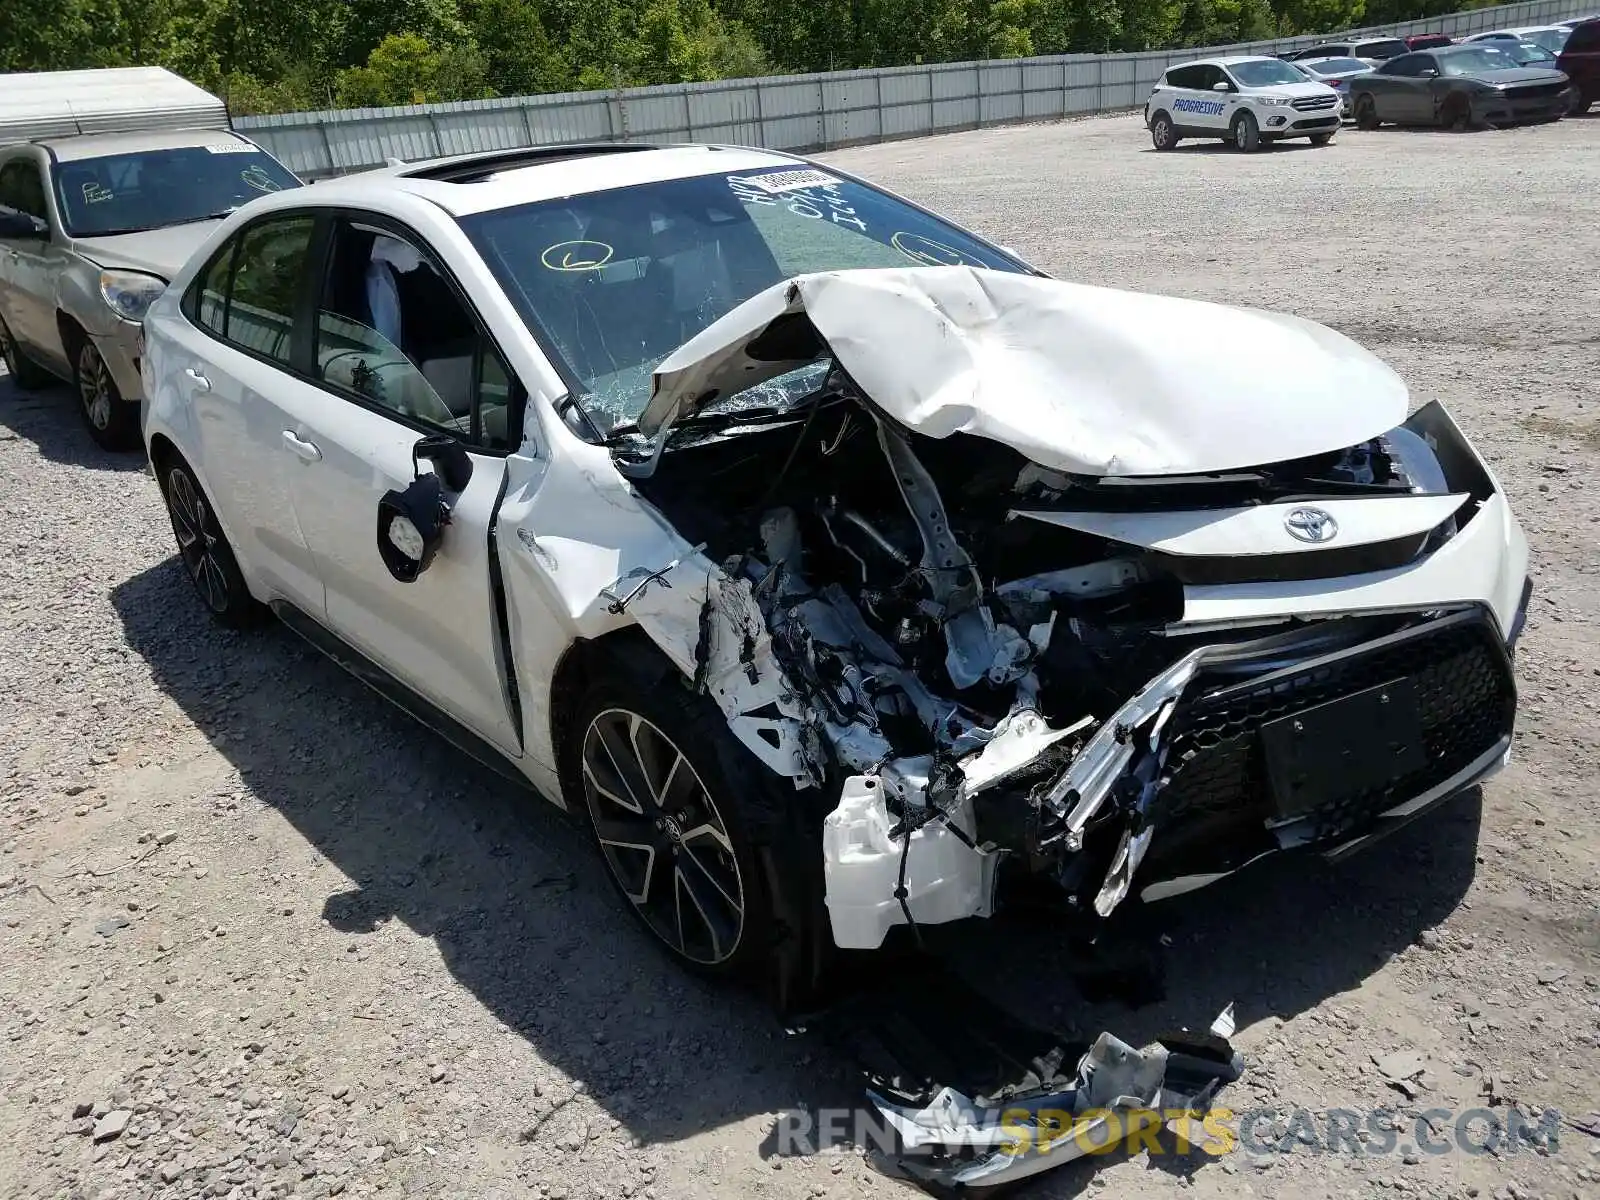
1535 91
1219 784
1314 103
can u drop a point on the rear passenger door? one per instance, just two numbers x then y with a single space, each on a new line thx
1194 105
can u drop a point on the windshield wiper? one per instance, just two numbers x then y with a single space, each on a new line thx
216 216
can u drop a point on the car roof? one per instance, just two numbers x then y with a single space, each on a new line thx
97 145
1227 60
479 183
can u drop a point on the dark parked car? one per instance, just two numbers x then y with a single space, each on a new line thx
1458 87
1580 62
1429 41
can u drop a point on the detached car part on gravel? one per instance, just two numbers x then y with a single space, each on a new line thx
838 568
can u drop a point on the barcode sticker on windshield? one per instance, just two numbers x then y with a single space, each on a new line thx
232 148
779 182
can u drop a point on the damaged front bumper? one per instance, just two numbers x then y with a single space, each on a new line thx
1324 737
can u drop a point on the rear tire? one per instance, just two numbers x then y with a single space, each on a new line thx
1163 134
26 374
1367 113
1245 133
113 422
203 548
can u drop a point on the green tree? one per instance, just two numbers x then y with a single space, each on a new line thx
405 69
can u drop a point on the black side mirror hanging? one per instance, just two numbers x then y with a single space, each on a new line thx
411 523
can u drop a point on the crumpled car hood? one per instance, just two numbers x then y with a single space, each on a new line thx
1087 380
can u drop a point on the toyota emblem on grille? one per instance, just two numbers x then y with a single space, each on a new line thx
1311 524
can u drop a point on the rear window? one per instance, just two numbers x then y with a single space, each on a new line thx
1383 48
150 189
1336 66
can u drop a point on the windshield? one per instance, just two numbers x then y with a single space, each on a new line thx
612 282
1528 52
1551 39
130 193
1389 48
1336 66
1476 60
1264 72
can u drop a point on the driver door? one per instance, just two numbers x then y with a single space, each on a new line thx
373 397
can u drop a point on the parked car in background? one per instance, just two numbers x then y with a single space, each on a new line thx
1428 41
1551 37
1458 87
1372 50
1248 100
93 225
1580 62
1336 73
1528 54
1574 22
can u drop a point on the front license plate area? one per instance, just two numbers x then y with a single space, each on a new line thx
1332 751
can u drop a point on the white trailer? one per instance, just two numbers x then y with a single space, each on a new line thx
55 104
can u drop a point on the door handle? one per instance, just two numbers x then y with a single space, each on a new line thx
306 450
199 380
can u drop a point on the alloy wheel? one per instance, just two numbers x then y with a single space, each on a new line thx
196 543
662 837
95 388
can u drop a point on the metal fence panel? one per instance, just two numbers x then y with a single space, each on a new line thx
793 112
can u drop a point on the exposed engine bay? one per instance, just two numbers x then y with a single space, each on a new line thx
993 672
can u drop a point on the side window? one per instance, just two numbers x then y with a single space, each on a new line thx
21 188
268 267
392 330
208 295
1211 76
1407 65
1185 77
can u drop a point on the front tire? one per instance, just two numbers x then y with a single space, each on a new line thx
204 551
1367 113
1245 133
1163 134
718 858
113 422
1456 114
26 374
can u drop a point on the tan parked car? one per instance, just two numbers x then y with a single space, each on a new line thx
92 226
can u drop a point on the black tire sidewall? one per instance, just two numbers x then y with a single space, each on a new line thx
1172 138
1254 142
1366 113
242 609
26 375
122 425
745 792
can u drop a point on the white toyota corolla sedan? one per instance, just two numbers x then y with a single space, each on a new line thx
837 568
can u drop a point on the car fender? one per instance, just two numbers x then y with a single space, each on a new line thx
584 556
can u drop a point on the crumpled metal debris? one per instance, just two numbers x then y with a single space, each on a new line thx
955 1141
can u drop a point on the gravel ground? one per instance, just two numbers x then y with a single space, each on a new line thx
260 935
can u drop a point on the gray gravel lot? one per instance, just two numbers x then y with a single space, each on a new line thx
300 947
